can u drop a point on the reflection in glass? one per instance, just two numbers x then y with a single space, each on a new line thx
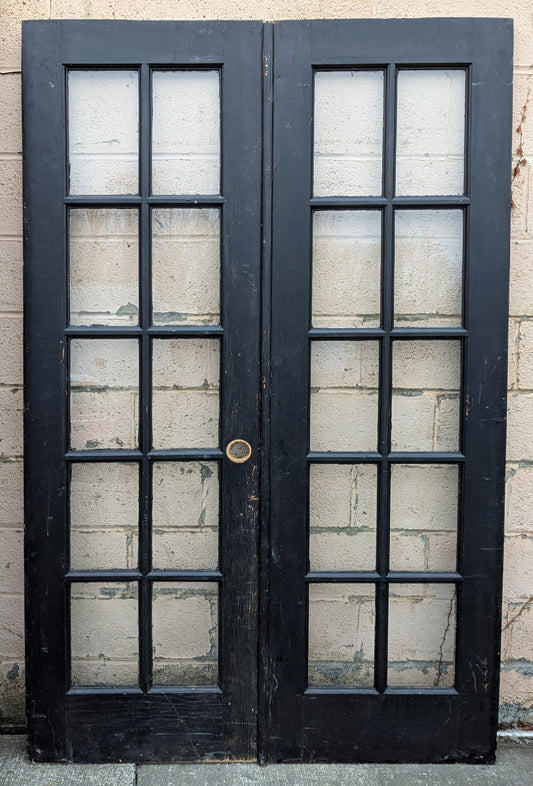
341 635
186 132
344 395
186 393
185 633
430 135
348 133
103 266
103 131
426 378
104 392
346 268
186 266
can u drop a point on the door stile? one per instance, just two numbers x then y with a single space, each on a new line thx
265 664
45 371
484 419
241 315
291 291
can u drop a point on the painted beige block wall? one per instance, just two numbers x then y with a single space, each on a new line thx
517 665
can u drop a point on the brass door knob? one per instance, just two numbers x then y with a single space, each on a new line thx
238 451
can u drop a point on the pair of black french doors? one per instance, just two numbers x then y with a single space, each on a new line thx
265 355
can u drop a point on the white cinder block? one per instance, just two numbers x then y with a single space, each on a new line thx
427 365
104 633
344 419
341 622
185 418
103 419
186 364
186 266
348 132
428 267
185 621
430 132
342 495
103 266
422 630
424 496
186 132
342 550
185 494
103 125
346 268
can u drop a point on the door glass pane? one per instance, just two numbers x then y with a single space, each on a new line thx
103 131
348 133
103 266
186 266
186 132
425 395
422 635
104 392
428 268
104 513
341 635
185 633
342 516
104 637
430 137
185 515
344 395
423 517
186 393
346 268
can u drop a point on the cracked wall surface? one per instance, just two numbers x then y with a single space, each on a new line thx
343 505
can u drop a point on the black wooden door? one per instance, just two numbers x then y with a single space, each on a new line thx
142 361
285 241
377 654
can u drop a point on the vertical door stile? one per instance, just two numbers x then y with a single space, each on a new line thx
265 684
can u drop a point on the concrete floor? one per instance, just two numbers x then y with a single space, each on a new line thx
514 768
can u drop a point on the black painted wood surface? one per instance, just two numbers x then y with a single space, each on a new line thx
264 706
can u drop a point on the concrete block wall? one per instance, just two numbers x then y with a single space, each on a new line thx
342 524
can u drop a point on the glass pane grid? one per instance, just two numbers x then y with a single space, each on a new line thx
420 538
110 537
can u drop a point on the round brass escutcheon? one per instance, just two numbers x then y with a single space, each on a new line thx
238 451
